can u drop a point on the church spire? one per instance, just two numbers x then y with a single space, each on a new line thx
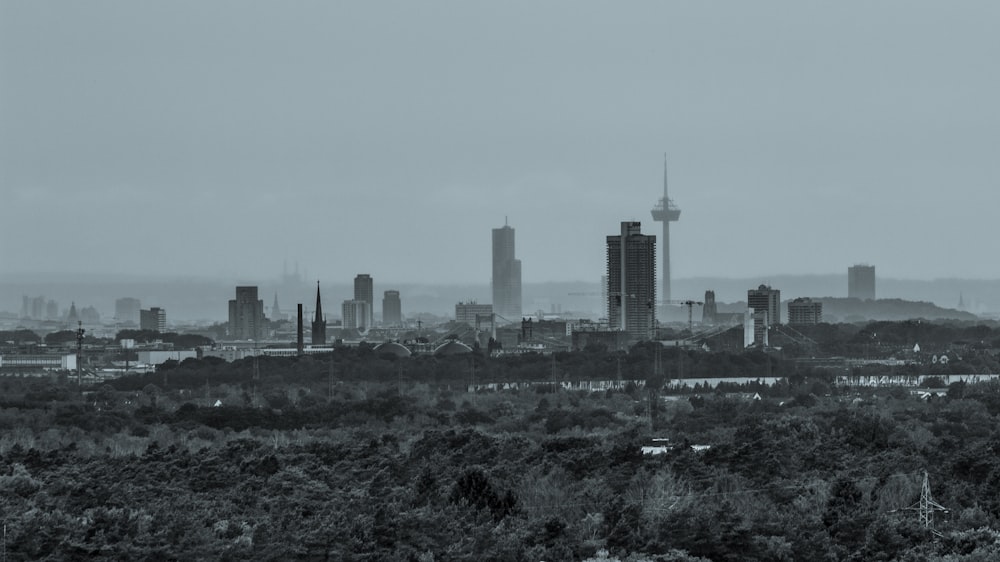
319 323
319 305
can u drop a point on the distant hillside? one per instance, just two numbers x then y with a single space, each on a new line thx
978 296
854 310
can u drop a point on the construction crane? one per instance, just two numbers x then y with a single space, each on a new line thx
690 304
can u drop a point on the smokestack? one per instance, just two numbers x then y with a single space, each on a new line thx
300 345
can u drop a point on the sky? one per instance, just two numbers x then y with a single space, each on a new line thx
220 139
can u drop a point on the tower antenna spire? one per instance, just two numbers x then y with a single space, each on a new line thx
664 175
666 212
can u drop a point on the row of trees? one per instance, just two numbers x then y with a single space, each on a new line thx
380 472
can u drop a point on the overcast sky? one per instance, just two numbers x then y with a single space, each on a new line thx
222 138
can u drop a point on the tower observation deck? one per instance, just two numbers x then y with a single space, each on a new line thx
666 212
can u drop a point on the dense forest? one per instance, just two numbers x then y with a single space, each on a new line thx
355 456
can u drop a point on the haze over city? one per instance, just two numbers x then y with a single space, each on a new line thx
191 139
561 280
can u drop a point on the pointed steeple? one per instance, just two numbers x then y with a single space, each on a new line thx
275 310
319 306
319 323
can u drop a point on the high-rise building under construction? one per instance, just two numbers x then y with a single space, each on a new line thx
632 282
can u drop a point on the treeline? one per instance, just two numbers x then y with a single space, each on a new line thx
648 361
891 338
62 337
380 471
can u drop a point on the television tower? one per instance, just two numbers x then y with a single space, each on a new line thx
666 212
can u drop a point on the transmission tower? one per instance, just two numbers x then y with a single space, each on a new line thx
927 505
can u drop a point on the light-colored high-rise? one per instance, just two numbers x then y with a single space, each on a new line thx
632 282
506 276
356 314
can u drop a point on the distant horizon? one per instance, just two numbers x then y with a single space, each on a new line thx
206 297
23 276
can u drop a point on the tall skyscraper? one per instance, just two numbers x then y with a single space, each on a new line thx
766 299
392 309
506 275
632 282
666 212
127 311
764 308
319 322
364 290
861 282
246 315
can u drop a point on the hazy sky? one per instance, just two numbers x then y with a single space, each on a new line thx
221 138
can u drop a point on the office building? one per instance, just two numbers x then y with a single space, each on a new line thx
127 311
805 312
319 322
763 311
472 313
364 290
631 258
153 319
768 300
861 282
392 309
356 314
246 315
506 276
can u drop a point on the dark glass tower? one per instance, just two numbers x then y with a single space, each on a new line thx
506 276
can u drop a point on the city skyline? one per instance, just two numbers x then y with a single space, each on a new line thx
762 112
